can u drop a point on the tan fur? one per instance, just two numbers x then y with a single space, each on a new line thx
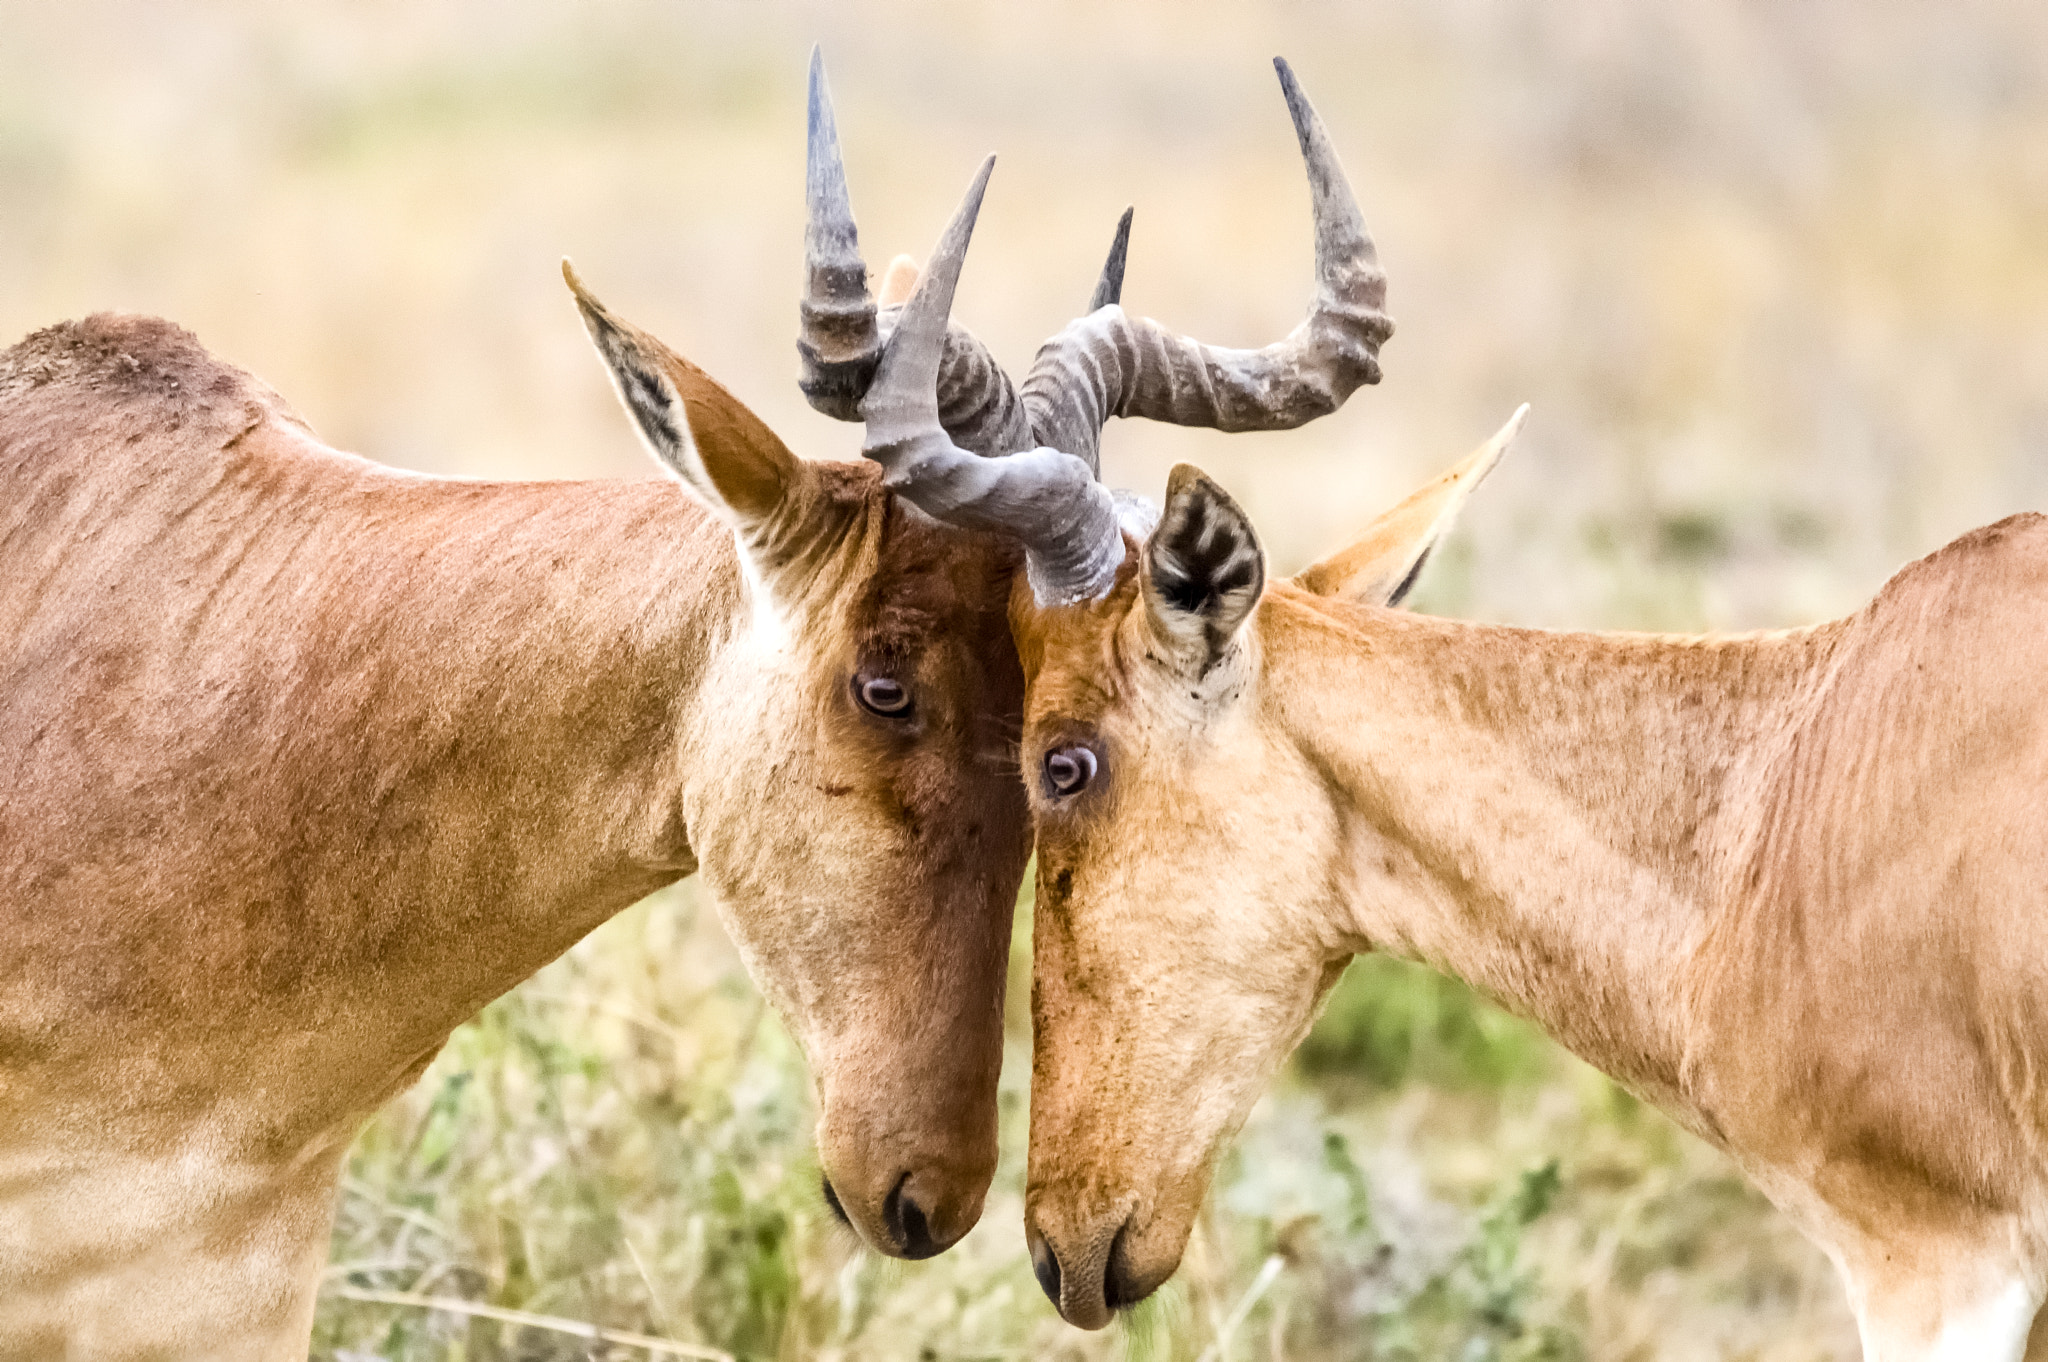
1792 888
303 760
1380 568
899 283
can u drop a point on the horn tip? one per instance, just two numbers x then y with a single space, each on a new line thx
977 187
1290 85
1110 287
821 129
1299 109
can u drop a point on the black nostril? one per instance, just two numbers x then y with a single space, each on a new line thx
1117 1289
1046 1267
906 1221
832 1200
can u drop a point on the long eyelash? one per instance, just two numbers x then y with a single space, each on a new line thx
1008 760
1007 757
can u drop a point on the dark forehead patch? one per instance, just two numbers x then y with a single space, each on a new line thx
932 578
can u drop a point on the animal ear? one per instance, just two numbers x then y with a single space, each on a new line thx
700 432
899 283
1202 571
1381 568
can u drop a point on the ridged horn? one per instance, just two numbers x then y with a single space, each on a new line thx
837 337
1046 499
1108 364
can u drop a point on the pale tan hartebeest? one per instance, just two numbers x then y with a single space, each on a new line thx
303 760
1791 887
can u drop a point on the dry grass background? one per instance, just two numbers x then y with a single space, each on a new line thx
1774 276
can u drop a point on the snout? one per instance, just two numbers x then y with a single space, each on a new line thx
1099 1264
908 1170
921 1214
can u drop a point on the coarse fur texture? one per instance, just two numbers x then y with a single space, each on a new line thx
306 759
1789 887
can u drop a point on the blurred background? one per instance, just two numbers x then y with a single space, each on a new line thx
1773 276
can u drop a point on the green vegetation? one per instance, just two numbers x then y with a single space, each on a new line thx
1389 1023
624 1142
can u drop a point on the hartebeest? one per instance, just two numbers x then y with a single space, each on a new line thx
303 759
1790 887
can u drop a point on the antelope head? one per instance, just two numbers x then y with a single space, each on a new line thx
851 799
1126 694
1180 955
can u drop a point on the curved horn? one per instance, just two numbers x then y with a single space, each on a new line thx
1046 499
1108 364
1349 281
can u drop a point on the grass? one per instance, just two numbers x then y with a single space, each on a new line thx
623 1143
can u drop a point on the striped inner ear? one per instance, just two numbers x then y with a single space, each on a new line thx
650 398
1204 567
1203 560
697 428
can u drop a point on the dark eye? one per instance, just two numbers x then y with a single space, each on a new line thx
882 695
1069 769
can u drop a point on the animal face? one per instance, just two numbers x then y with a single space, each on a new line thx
850 793
1111 715
860 823
1192 897
1170 974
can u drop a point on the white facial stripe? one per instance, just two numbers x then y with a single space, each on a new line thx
769 625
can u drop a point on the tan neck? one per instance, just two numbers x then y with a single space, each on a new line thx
1554 818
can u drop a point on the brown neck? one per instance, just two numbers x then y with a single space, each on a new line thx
498 692
1554 818
329 757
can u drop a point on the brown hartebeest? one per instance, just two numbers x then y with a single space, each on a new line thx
1790 887
303 760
